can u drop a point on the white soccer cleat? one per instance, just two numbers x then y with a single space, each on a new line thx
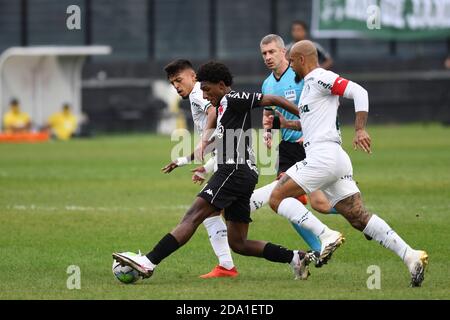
417 263
138 262
331 240
300 264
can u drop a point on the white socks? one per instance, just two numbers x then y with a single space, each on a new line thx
380 231
261 196
297 213
217 232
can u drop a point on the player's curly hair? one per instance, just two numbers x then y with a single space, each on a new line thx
215 72
173 68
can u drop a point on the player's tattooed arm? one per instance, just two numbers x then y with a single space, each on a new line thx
291 124
271 100
362 139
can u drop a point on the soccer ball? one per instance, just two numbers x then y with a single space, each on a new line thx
125 274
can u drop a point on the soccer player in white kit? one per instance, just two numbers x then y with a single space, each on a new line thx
182 76
327 166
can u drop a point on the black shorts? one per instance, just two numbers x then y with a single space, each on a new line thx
230 189
289 153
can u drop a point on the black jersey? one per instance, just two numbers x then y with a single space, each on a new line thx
233 135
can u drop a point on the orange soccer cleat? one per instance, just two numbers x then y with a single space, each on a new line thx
221 272
303 199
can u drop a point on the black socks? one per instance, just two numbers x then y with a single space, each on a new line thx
276 253
165 247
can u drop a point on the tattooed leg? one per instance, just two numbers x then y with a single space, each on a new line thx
352 208
286 188
374 227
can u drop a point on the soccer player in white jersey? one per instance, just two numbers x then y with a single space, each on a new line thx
327 166
284 82
182 76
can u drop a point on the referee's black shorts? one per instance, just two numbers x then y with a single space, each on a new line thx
289 153
230 189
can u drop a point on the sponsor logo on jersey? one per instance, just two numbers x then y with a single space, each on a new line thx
290 95
328 86
209 191
348 177
243 95
304 108
195 105
239 95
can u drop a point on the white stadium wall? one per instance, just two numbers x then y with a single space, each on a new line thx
43 79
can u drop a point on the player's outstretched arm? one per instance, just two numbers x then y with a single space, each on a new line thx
200 150
271 100
182 161
361 100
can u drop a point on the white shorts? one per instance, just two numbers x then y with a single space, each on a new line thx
327 167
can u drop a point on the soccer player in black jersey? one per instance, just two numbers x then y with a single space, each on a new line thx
232 185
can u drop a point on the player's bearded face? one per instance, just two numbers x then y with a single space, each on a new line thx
297 64
183 82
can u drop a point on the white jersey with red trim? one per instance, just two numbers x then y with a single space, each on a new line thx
199 106
318 106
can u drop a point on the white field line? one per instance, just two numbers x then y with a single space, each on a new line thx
33 207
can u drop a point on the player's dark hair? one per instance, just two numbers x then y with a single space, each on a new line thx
14 102
215 72
176 66
300 23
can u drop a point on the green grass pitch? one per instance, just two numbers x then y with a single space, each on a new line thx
75 203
